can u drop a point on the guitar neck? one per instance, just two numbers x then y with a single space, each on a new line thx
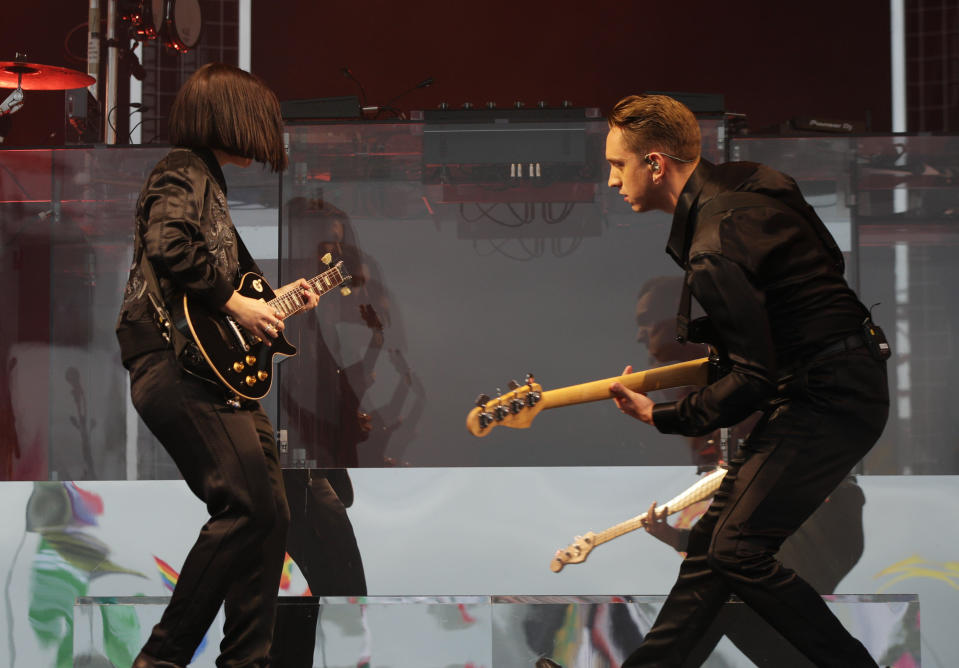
701 490
694 372
292 301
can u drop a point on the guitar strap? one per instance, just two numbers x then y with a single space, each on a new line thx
161 317
247 263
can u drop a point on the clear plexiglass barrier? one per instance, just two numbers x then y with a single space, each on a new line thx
479 253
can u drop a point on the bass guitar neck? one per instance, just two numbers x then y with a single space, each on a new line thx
518 407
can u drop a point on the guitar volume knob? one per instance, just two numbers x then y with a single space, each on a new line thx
262 375
250 360
250 380
238 367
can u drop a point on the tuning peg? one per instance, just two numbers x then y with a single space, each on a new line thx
485 418
326 259
345 291
512 385
532 397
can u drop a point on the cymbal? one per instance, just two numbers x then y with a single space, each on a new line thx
41 77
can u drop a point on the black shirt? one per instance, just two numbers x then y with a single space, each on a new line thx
769 276
185 231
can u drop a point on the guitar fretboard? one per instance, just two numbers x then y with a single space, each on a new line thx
292 301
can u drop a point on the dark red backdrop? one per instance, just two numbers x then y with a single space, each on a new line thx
772 61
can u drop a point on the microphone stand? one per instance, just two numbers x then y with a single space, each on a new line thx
377 109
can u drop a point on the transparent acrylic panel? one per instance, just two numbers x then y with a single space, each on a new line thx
66 219
474 263
485 531
588 631
893 204
508 631
390 632
465 277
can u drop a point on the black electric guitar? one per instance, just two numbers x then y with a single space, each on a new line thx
238 359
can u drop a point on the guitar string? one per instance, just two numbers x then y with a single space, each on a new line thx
286 304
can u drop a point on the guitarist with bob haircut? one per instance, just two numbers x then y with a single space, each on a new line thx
186 248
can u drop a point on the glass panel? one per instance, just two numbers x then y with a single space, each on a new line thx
604 630
394 632
67 231
893 204
469 269
455 529
480 252
416 632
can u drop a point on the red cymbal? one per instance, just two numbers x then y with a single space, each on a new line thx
41 77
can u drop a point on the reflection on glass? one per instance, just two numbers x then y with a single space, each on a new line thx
466 278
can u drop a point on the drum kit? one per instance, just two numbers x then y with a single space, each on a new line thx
21 75
175 23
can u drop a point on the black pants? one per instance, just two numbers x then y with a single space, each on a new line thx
805 444
228 458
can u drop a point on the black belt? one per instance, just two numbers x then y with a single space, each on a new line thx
851 342
789 374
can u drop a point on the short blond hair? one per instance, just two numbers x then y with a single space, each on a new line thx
223 107
657 123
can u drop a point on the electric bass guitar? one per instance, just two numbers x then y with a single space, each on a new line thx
237 358
581 546
520 405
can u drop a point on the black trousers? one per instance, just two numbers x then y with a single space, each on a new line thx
228 458
808 440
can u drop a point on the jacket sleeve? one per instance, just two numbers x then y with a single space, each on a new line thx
173 240
737 308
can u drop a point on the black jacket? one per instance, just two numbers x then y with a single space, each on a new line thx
184 229
769 276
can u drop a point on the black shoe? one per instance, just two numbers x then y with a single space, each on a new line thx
147 661
543 662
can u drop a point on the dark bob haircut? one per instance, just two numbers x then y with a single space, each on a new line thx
222 107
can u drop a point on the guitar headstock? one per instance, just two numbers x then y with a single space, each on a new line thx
338 272
576 553
515 408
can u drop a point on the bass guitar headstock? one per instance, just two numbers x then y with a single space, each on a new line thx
515 408
576 553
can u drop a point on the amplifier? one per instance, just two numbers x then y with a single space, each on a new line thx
321 108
